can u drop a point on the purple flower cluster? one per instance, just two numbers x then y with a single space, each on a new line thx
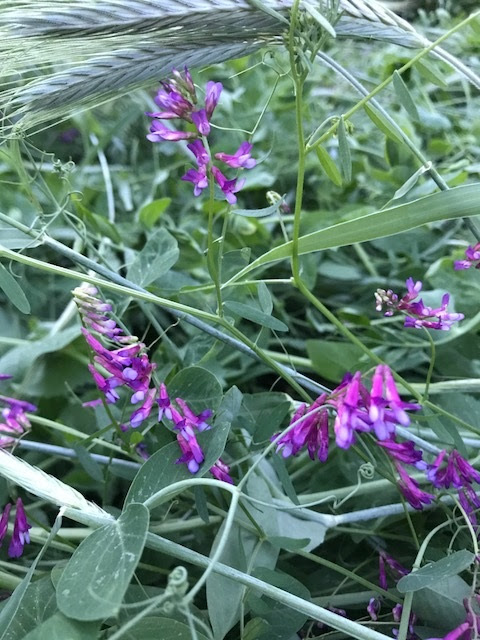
418 314
472 258
178 99
129 367
378 411
458 473
360 410
13 418
20 535
357 410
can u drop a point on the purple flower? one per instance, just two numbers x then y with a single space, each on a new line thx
373 608
200 120
142 450
174 105
4 522
143 412
159 132
198 422
311 430
20 535
192 454
419 315
229 187
386 407
240 159
200 153
458 472
470 503
411 490
198 178
127 366
397 569
184 82
212 96
351 414
404 452
397 612
472 258
13 419
220 471
164 406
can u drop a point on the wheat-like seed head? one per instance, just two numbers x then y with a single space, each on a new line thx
45 486
91 51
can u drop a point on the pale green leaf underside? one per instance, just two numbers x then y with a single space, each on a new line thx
459 202
94 582
427 576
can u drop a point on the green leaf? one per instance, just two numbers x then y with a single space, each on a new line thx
160 470
96 577
262 414
382 123
90 465
290 544
58 627
328 165
18 359
15 239
96 222
333 359
242 551
221 590
411 182
198 387
452 565
344 151
255 315
459 202
13 290
441 604
264 298
151 212
155 628
278 464
38 604
404 96
156 258
259 213
283 621
428 71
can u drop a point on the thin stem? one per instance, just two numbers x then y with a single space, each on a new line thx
387 81
212 260
62 428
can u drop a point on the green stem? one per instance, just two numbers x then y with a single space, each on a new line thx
298 83
349 574
213 261
387 81
407 603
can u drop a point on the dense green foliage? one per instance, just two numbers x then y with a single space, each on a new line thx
94 184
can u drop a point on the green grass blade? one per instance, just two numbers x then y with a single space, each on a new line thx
459 202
